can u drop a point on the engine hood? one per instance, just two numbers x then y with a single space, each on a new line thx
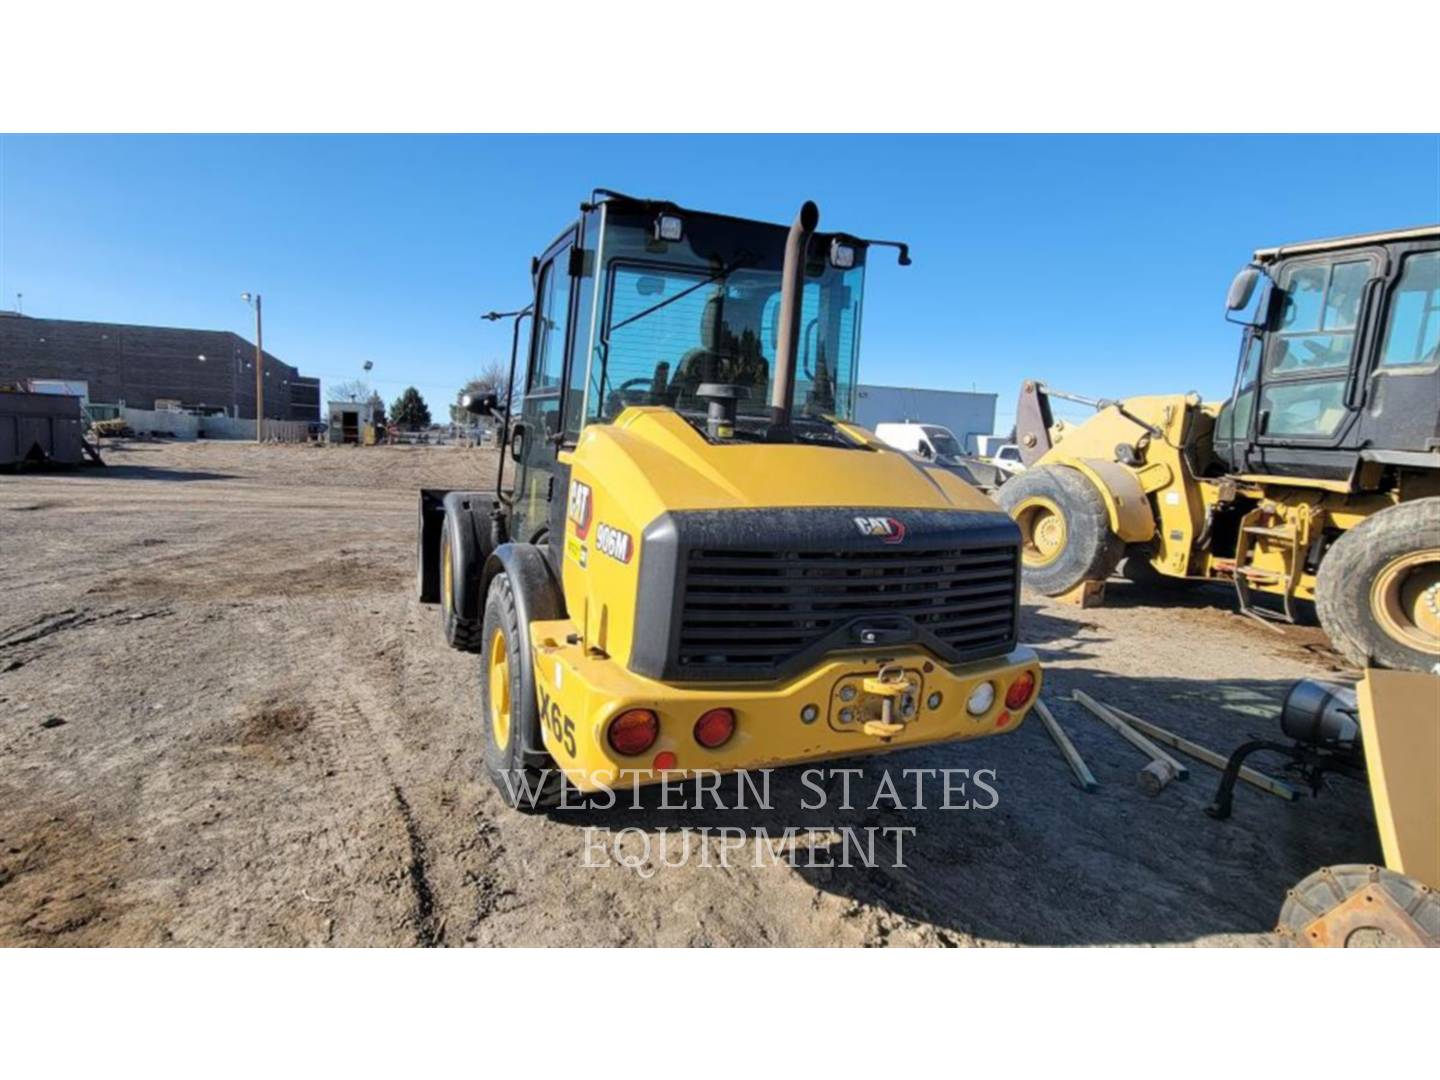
655 462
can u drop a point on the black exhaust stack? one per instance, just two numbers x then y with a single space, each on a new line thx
787 349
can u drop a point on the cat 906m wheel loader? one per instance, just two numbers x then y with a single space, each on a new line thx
702 564
1319 478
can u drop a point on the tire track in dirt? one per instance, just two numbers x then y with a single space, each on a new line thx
428 931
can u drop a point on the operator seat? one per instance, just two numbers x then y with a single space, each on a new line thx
722 356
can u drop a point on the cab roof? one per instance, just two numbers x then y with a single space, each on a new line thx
1420 232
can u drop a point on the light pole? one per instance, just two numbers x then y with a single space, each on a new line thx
254 301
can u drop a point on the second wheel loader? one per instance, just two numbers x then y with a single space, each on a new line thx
1317 480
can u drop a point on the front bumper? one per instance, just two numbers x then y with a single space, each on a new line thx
580 694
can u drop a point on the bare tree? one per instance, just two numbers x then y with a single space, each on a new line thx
350 390
492 379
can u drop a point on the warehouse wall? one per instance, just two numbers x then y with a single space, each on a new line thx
138 364
965 414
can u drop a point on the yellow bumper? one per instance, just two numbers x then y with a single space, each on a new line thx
827 712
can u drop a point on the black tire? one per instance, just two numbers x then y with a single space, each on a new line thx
460 633
525 776
1087 551
1357 588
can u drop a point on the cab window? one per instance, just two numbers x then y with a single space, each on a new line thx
1319 313
1234 422
1412 337
551 322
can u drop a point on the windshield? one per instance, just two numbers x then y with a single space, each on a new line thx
944 443
705 310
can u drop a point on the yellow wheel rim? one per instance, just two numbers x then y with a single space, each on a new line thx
1042 531
500 690
1406 599
447 575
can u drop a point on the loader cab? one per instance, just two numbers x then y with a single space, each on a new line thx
1339 359
645 303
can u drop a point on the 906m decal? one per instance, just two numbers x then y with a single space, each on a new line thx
611 541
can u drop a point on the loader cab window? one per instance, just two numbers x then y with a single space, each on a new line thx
705 310
551 322
1412 336
1312 346
1232 427
1319 311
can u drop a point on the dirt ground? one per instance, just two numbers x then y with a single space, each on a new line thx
225 720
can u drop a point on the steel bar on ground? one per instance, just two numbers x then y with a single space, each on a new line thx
1205 754
1057 733
1130 735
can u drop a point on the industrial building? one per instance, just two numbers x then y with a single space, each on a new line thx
967 415
153 367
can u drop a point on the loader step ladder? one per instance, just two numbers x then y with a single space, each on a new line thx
1243 574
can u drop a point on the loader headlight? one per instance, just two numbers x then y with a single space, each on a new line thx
980 700
669 227
842 256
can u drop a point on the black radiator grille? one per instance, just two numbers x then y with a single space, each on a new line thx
758 608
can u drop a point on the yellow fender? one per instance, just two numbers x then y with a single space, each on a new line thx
1131 518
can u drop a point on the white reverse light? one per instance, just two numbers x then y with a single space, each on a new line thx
981 698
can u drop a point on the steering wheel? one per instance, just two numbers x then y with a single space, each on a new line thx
627 391
636 391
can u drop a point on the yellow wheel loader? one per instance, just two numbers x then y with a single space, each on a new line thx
701 562
1317 480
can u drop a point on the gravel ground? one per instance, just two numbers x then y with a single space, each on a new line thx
224 720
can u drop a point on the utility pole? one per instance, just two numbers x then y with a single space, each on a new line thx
254 301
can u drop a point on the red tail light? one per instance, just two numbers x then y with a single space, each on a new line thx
633 732
1020 690
715 727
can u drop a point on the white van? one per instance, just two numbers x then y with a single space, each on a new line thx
929 441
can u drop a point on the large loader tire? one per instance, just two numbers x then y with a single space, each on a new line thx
1378 590
525 775
1064 529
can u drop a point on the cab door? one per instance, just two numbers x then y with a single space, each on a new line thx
535 440
1312 352
1402 388
1305 407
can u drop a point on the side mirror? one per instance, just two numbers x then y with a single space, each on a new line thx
1242 292
480 404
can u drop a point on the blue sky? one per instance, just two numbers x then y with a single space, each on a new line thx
1097 264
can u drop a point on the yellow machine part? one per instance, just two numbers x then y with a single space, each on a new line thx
830 711
625 475
660 463
1174 517
1400 729
1176 501
1398 904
